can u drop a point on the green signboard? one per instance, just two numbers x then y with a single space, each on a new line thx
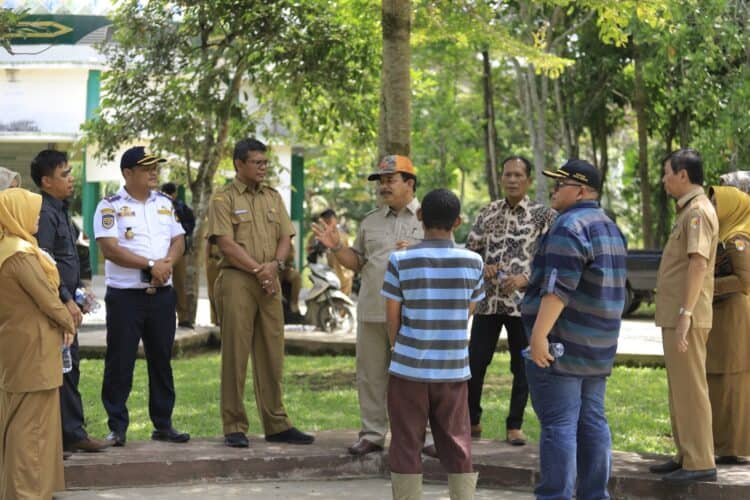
55 29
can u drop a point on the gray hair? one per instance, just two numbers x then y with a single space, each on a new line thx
7 177
739 179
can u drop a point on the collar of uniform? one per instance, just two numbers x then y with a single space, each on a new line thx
126 196
685 198
523 203
56 204
412 207
437 243
242 187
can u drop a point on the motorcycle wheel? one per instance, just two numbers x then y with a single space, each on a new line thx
335 316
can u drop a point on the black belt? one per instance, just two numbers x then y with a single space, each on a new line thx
152 290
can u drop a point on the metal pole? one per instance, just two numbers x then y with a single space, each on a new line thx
91 190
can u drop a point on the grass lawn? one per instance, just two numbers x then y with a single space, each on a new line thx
320 394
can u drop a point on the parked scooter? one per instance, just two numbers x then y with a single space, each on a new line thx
328 308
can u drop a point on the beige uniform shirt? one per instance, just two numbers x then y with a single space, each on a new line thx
255 219
696 230
376 239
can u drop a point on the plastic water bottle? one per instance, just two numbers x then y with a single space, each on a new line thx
556 349
86 300
517 295
67 359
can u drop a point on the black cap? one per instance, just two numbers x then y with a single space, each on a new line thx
137 157
578 170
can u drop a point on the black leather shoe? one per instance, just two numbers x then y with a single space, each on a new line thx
116 438
170 435
236 440
666 467
731 460
683 476
290 436
186 324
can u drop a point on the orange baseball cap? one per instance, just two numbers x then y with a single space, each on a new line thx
391 164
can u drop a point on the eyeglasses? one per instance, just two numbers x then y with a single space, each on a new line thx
559 184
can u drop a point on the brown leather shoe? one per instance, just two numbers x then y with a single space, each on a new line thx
476 431
430 451
363 447
515 437
90 445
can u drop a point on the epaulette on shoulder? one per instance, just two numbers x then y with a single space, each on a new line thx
371 212
112 198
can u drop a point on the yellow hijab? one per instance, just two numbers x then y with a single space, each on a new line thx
19 212
733 212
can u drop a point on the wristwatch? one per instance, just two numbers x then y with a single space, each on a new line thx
280 265
685 312
151 264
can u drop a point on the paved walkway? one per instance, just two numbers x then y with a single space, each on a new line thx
366 489
204 461
640 340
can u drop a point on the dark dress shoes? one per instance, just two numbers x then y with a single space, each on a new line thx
665 468
683 476
170 435
115 438
363 447
186 324
290 436
731 460
236 440
90 445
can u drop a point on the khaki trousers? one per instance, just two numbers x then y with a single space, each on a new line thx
373 359
252 325
179 272
212 272
689 405
31 465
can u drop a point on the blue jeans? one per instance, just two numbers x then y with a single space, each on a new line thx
575 436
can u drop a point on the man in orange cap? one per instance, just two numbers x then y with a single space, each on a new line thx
395 221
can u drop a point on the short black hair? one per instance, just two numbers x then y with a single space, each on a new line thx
522 159
327 213
440 209
689 160
169 188
45 163
243 147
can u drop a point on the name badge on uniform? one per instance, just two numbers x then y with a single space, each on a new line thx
240 211
129 234
164 211
126 212
108 221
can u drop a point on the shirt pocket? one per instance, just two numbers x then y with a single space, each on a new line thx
243 225
676 243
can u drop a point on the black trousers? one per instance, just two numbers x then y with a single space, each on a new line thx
134 315
485 330
71 406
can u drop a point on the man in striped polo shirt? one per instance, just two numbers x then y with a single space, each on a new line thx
431 289
575 297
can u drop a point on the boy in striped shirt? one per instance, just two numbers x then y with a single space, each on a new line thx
431 289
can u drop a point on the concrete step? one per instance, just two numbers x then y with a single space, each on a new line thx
499 465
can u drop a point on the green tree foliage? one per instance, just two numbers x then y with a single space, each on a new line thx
9 24
185 74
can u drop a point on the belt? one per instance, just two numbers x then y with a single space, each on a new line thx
152 290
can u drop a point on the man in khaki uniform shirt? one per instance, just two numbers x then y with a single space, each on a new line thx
250 224
390 227
684 291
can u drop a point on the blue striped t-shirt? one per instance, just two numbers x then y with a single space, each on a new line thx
581 260
435 282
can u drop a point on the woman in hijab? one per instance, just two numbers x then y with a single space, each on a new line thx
34 324
9 179
728 347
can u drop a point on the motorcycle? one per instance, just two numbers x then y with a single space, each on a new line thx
328 308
